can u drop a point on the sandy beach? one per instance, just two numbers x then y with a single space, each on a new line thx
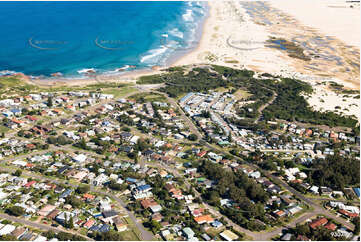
125 77
326 36
236 35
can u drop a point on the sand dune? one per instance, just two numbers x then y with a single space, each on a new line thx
325 37
335 18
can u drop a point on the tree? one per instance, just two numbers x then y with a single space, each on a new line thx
49 234
205 114
50 101
230 138
63 236
18 173
212 197
70 223
82 144
73 201
192 137
302 229
356 221
141 145
336 171
8 237
15 211
290 164
155 226
83 189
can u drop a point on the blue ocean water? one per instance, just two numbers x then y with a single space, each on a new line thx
41 38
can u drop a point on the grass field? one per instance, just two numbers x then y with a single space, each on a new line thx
119 92
241 94
13 85
149 97
129 235
222 89
3 129
132 233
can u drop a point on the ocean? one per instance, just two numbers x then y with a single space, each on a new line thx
42 38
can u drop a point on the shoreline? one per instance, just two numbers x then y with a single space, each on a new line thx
127 76
201 36
226 22
223 42
229 20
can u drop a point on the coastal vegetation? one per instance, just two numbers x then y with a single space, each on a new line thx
12 85
293 50
339 88
15 85
288 104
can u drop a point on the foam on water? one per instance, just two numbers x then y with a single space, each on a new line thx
140 34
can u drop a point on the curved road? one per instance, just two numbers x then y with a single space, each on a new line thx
265 106
145 235
317 209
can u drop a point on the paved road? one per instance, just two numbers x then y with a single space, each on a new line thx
265 106
145 235
40 225
317 209
334 200
32 153
257 236
189 122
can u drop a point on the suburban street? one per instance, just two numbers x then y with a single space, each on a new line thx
146 235
41 226
316 208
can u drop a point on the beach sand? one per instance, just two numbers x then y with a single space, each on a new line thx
334 18
237 34
125 77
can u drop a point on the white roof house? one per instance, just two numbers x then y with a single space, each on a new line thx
314 189
19 163
228 235
80 158
134 139
7 229
40 238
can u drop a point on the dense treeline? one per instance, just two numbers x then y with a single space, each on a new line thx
197 80
288 105
247 195
233 184
60 140
336 172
